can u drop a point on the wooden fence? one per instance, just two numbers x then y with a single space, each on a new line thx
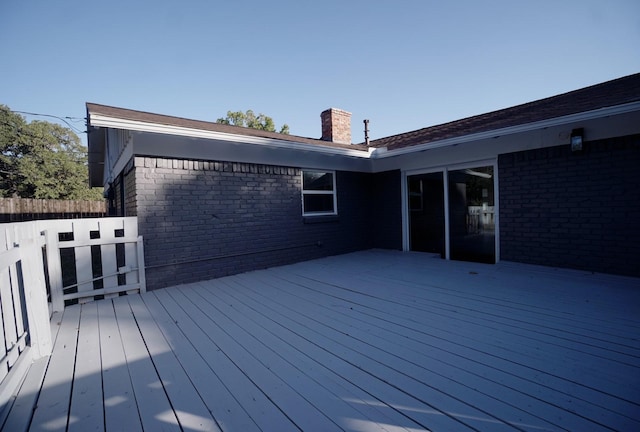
82 260
27 209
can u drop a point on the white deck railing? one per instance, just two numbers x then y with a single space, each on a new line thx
26 334
105 255
86 259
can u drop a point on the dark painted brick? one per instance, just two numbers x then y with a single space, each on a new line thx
577 210
205 219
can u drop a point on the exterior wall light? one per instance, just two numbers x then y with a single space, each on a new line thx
576 139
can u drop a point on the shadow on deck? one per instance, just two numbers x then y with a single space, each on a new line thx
374 340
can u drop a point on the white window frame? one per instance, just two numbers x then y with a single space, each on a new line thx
317 192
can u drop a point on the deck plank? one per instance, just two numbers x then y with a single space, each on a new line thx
120 407
573 396
382 366
292 366
375 340
308 339
154 407
502 338
254 402
52 410
297 409
271 334
380 330
191 411
21 412
412 359
225 408
87 412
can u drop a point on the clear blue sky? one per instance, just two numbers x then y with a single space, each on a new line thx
402 64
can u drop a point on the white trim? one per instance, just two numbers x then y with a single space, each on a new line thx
527 127
447 223
496 210
134 125
333 192
404 202
252 149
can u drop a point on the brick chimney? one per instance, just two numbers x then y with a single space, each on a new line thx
336 126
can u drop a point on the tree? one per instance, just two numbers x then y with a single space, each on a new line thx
249 119
42 160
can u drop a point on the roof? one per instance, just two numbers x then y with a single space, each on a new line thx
146 117
611 93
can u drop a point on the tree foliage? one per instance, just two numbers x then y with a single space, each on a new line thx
42 160
249 119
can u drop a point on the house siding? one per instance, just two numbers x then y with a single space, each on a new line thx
577 210
206 219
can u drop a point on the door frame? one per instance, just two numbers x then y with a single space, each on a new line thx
444 169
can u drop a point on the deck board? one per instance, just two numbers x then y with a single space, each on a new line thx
411 358
153 404
120 406
53 402
293 367
375 340
505 336
86 412
188 405
253 401
224 407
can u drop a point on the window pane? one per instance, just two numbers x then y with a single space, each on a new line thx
471 215
317 180
318 203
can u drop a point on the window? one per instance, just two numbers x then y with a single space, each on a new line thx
318 193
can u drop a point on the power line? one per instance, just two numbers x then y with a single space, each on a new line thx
63 119
21 131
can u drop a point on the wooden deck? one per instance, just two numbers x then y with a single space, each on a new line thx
375 340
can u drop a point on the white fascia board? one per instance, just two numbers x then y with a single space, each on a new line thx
557 121
134 125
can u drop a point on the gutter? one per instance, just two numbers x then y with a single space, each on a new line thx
100 120
382 152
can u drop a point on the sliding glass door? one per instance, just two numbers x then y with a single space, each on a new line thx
426 213
452 213
471 215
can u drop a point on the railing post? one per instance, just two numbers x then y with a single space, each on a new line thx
141 275
35 292
54 267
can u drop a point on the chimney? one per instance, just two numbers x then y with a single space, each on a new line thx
336 126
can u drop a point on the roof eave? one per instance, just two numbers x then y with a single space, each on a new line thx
383 152
100 120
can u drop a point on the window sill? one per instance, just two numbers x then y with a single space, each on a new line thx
320 219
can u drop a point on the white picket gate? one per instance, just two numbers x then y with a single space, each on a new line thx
109 247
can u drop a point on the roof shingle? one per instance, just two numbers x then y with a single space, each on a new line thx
611 93
146 117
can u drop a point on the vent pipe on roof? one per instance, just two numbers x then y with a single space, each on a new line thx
366 132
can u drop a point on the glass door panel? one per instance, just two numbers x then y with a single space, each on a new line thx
471 215
426 212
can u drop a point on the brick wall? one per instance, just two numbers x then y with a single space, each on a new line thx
129 180
577 210
204 219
